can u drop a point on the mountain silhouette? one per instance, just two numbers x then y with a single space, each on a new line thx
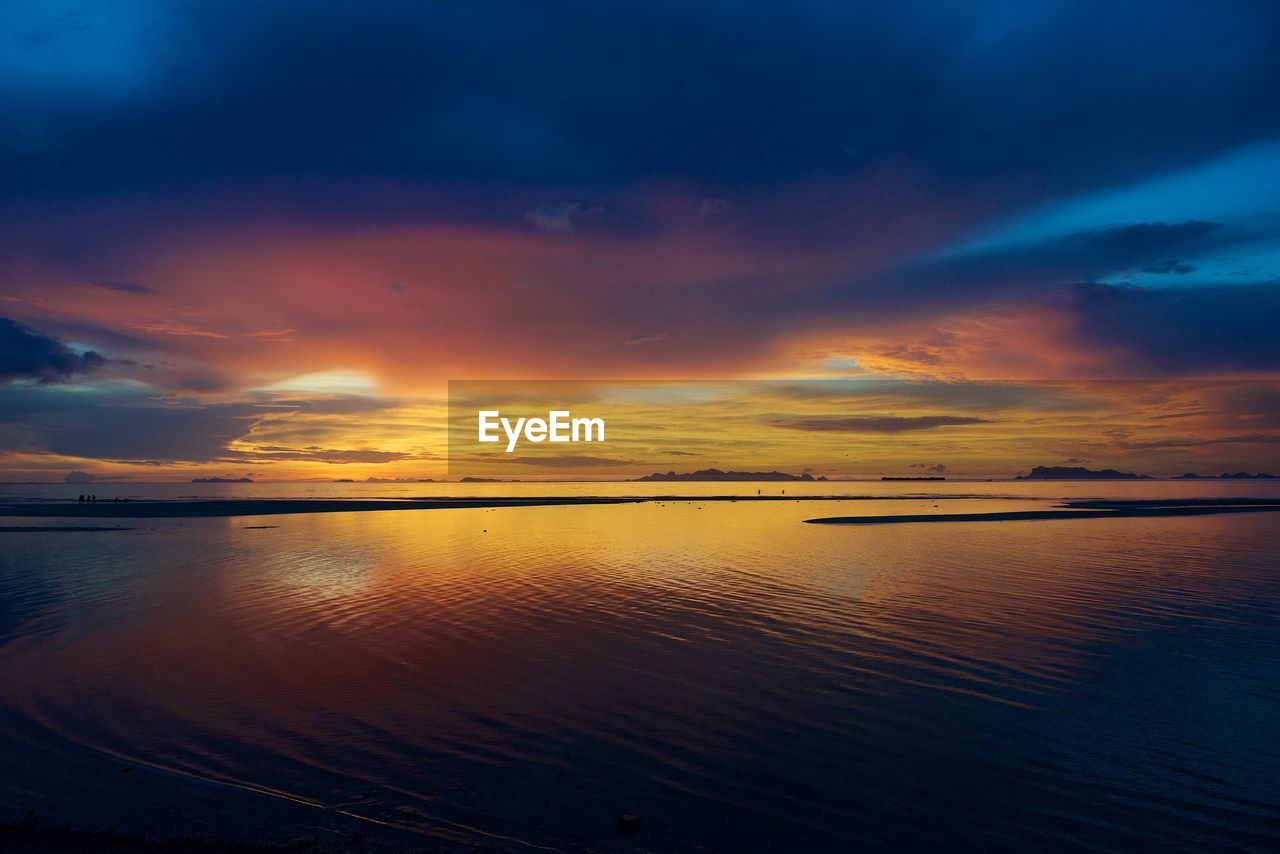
718 475
1078 473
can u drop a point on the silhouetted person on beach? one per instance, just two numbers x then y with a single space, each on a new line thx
81 499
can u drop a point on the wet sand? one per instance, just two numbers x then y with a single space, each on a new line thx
65 529
277 506
273 507
1081 509
1092 509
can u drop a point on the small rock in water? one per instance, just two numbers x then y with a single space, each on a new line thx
629 823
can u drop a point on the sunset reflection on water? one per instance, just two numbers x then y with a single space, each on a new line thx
741 679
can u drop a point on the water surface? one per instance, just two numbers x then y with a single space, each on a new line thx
519 677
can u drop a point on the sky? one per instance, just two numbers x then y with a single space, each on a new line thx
258 239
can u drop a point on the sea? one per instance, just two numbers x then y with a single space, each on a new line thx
521 678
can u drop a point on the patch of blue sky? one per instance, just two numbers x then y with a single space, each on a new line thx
62 48
1240 188
1247 264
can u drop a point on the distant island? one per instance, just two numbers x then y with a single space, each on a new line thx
481 480
221 480
1240 475
926 477
1079 473
718 475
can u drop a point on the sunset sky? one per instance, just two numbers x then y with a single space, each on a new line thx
246 239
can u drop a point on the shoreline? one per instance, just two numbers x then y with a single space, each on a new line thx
1085 509
214 508
64 529
233 507
224 507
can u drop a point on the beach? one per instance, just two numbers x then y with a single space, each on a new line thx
234 507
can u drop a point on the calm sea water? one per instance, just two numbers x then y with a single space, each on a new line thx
1032 490
518 678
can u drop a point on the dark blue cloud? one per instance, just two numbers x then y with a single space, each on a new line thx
1082 255
1167 332
31 355
947 282
788 125
1169 267
483 99
123 287
131 422
120 423
877 423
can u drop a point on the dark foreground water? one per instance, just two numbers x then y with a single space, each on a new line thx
518 678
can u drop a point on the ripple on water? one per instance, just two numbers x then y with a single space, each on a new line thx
744 680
